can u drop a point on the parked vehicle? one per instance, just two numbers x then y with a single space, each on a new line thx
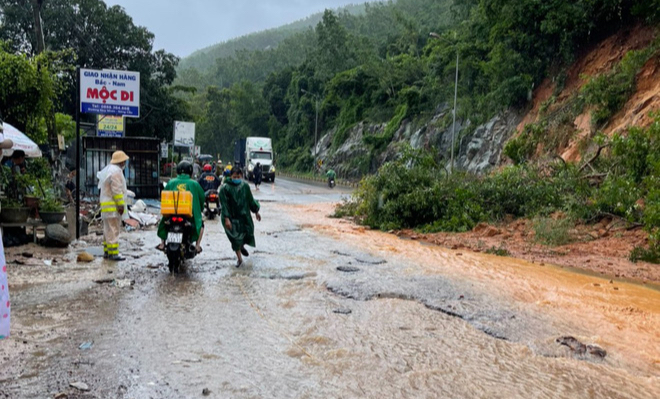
252 150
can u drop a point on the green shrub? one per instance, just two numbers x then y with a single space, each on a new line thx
378 142
609 92
523 147
413 192
501 251
651 255
551 232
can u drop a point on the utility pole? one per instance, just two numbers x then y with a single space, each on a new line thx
37 6
316 128
453 132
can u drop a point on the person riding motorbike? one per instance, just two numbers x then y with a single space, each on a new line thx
331 175
184 182
227 172
208 180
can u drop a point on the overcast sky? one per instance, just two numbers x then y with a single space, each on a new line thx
183 26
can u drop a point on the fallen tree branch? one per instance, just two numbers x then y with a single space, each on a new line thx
595 157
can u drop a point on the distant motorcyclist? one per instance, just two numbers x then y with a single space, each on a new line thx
208 180
331 175
184 182
227 172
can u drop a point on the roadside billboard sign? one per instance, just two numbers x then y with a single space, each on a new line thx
110 126
184 134
109 92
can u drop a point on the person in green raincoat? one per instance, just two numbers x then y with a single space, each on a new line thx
237 203
184 182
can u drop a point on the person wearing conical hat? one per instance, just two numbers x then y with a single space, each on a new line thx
113 204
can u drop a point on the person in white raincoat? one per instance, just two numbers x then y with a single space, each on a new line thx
113 204
4 285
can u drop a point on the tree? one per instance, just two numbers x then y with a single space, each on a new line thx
29 88
101 37
333 53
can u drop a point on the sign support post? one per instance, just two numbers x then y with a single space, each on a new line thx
105 92
78 153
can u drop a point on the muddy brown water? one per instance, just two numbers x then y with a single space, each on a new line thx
424 322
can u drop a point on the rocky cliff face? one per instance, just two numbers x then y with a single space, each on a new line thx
476 151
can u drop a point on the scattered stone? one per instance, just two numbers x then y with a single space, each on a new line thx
57 236
596 285
594 235
153 267
580 349
491 232
611 281
616 288
596 351
81 386
206 392
85 257
124 283
61 395
348 269
342 311
104 281
459 254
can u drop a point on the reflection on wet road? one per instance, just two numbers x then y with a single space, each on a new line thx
325 309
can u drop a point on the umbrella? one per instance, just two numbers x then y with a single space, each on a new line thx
21 142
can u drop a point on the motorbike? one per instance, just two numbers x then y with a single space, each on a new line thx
212 204
331 182
178 245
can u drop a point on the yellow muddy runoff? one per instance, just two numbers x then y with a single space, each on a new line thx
416 352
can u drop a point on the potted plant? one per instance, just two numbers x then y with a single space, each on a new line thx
13 211
51 209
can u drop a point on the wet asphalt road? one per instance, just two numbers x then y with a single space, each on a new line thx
310 315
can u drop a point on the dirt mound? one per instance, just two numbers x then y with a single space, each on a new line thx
597 60
637 110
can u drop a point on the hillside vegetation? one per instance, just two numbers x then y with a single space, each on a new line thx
205 59
383 67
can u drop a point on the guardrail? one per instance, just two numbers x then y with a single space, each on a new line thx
318 179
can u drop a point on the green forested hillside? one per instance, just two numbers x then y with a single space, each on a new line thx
205 59
382 66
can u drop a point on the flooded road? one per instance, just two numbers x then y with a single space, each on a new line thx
325 309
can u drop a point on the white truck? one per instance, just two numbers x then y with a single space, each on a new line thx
252 150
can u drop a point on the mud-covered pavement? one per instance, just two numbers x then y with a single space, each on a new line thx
322 309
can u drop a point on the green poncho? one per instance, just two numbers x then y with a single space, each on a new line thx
185 183
237 203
